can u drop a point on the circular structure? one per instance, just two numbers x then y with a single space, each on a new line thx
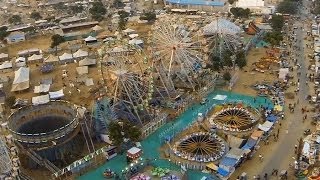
223 36
200 147
129 84
234 119
43 126
177 53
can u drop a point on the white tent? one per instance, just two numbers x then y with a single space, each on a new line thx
37 100
137 42
220 97
65 57
89 82
35 58
283 73
51 59
87 62
21 79
6 65
132 36
80 54
20 59
129 31
56 94
266 126
42 88
4 56
90 38
82 70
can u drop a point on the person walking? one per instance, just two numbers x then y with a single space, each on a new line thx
260 157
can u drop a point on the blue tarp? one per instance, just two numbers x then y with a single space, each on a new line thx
272 118
196 2
250 144
223 172
227 161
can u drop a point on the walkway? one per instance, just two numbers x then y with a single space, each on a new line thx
152 143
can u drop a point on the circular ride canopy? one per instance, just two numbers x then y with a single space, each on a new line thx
200 147
221 26
234 119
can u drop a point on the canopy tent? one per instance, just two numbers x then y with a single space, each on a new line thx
212 166
87 62
51 59
4 56
21 79
134 152
82 70
46 81
20 59
132 36
256 134
266 126
220 97
89 82
283 72
56 94
272 118
228 161
20 64
37 100
136 42
237 153
250 143
129 31
42 88
65 57
234 142
6 65
278 108
90 39
35 58
223 172
80 54
46 68
97 28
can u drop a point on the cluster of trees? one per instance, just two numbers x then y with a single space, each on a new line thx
3 32
56 39
240 12
150 16
98 11
288 7
316 9
275 36
35 15
123 129
15 19
227 61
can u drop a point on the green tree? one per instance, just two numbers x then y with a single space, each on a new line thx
56 40
60 7
226 76
241 60
150 16
98 11
76 9
216 63
123 19
10 101
118 4
287 7
15 19
277 22
3 32
274 38
226 58
35 15
231 1
123 129
240 12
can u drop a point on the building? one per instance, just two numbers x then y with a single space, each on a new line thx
16 36
255 6
202 5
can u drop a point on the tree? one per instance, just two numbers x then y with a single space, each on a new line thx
118 4
56 40
15 19
35 15
240 12
277 22
123 129
60 6
149 16
226 58
10 101
274 38
287 7
241 60
76 9
231 1
3 32
98 10
123 19
227 76
216 63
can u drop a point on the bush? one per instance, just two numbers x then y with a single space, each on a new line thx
10 101
240 12
227 76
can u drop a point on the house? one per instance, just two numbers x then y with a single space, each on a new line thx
17 36
4 57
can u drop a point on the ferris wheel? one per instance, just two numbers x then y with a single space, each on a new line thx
177 55
222 36
129 85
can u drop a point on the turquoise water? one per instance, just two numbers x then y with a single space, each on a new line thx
152 143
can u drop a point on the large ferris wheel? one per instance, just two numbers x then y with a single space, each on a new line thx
177 55
222 35
129 85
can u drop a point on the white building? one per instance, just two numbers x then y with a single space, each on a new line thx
255 6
